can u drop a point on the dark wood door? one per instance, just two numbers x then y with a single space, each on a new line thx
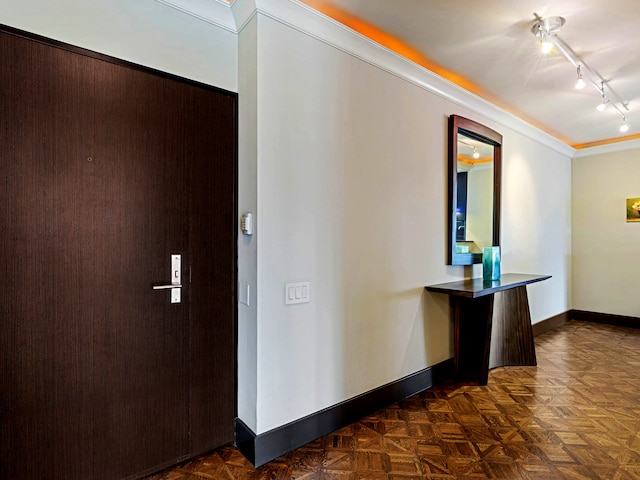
106 171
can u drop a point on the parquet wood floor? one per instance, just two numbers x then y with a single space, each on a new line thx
574 416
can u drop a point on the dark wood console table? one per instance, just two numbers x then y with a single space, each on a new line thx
490 332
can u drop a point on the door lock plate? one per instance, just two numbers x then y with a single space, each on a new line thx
176 275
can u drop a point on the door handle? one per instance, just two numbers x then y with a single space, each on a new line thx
176 276
165 287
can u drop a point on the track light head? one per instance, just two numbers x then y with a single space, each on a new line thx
624 127
546 45
602 105
580 82
545 29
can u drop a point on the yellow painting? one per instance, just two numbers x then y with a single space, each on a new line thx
633 209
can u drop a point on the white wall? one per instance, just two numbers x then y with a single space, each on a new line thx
536 221
248 202
145 32
352 197
605 263
348 200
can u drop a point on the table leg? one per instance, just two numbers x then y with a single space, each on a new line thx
472 338
512 335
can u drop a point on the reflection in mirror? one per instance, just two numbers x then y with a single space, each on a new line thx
474 206
474 190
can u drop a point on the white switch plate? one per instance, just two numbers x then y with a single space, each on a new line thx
297 293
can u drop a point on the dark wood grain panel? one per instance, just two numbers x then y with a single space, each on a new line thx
472 337
512 334
213 230
107 169
143 219
46 338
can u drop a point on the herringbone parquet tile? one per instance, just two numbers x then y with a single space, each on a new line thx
574 416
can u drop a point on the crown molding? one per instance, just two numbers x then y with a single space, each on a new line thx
216 12
612 147
243 12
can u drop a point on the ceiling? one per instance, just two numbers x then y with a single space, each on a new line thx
487 47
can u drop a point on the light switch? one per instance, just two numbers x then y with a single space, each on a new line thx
244 293
297 293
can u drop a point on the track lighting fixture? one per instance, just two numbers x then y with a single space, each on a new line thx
546 30
603 104
624 127
580 82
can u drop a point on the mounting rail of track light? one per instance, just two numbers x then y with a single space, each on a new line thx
546 30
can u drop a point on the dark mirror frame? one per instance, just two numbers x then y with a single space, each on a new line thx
477 131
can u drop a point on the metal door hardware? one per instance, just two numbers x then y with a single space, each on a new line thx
176 275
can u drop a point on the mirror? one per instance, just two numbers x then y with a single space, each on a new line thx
474 170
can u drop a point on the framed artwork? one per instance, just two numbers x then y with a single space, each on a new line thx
633 209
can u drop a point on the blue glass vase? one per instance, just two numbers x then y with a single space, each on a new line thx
490 264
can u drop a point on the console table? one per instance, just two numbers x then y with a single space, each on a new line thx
490 332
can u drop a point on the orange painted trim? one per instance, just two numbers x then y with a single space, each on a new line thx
607 141
473 161
387 40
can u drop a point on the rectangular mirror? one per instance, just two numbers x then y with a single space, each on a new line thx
474 170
